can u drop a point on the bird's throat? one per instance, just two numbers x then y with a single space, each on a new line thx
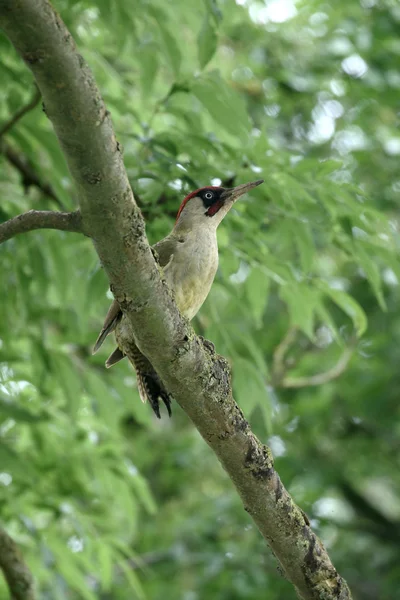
214 208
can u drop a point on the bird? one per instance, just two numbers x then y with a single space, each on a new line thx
189 258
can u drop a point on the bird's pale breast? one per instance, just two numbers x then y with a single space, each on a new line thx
192 270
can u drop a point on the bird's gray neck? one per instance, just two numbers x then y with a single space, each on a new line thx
184 227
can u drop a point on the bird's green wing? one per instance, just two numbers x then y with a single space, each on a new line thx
165 250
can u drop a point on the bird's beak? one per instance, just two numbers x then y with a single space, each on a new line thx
233 194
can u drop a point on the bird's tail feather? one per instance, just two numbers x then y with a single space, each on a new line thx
150 386
114 357
113 316
104 333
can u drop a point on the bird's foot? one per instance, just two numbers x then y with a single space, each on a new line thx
155 404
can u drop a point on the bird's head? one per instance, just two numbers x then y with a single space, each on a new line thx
209 205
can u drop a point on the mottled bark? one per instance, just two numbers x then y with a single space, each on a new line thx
198 379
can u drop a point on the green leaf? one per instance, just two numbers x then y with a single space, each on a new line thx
250 389
277 270
213 10
301 301
96 288
106 559
103 397
132 579
327 167
255 353
143 492
168 39
206 42
230 263
225 106
148 67
68 379
257 287
372 272
327 320
18 466
10 410
349 306
303 239
67 566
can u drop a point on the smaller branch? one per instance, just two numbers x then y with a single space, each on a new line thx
320 378
40 219
378 523
21 112
29 175
278 360
151 558
16 573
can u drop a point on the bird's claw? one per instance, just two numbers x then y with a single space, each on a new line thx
155 404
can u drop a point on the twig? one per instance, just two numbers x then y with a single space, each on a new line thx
320 378
379 524
150 558
278 361
18 160
40 219
29 175
21 112
18 576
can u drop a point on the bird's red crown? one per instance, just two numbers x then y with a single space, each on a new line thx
193 195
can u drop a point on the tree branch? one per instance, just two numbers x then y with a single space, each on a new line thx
278 360
28 173
320 378
40 219
21 112
278 370
19 578
198 379
379 524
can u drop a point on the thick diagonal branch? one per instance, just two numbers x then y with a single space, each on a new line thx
40 219
16 573
199 380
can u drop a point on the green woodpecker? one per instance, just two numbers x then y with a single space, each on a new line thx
189 257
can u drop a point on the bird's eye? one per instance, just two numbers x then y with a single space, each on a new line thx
208 195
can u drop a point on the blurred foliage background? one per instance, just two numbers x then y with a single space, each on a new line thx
105 501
